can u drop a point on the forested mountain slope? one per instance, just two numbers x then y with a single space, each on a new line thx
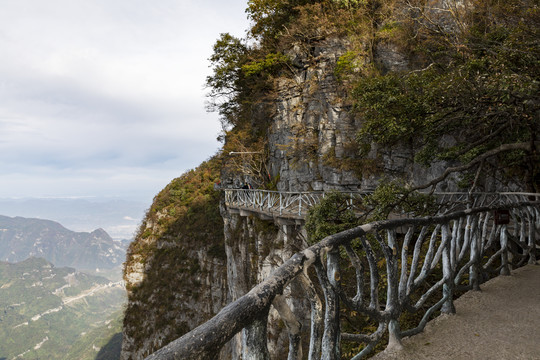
21 238
55 312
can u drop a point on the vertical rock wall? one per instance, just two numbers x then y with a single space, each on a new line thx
254 249
177 285
311 128
178 279
312 137
175 269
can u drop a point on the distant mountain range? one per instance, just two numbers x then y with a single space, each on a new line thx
119 217
21 238
47 312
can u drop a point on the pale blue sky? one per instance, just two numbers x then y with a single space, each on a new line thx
105 97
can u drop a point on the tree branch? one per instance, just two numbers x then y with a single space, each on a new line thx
503 148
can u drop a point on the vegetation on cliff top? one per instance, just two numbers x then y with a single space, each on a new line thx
469 93
186 205
478 89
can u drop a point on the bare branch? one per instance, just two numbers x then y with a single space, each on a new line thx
503 148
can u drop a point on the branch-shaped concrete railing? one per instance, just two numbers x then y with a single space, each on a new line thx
280 203
422 261
297 204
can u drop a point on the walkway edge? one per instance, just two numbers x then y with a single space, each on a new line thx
500 322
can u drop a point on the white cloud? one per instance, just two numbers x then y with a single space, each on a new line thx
94 93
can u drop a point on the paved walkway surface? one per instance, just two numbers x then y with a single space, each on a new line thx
500 322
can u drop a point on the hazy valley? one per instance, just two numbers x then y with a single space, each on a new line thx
56 313
61 291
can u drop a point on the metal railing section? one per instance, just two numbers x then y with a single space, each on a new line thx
377 273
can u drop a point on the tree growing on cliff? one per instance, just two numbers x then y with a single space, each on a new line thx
471 98
226 82
480 92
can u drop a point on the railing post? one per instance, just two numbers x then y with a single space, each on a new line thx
394 335
475 245
448 273
330 347
532 241
254 343
392 304
505 270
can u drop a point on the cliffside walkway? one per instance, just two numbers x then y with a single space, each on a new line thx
295 205
279 204
380 272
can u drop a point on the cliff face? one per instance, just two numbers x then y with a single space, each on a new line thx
175 270
176 283
311 126
188 260
312 138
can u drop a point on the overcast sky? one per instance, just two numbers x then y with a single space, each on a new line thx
104 98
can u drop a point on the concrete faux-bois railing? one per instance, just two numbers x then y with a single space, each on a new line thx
279 204
413 265
295 205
